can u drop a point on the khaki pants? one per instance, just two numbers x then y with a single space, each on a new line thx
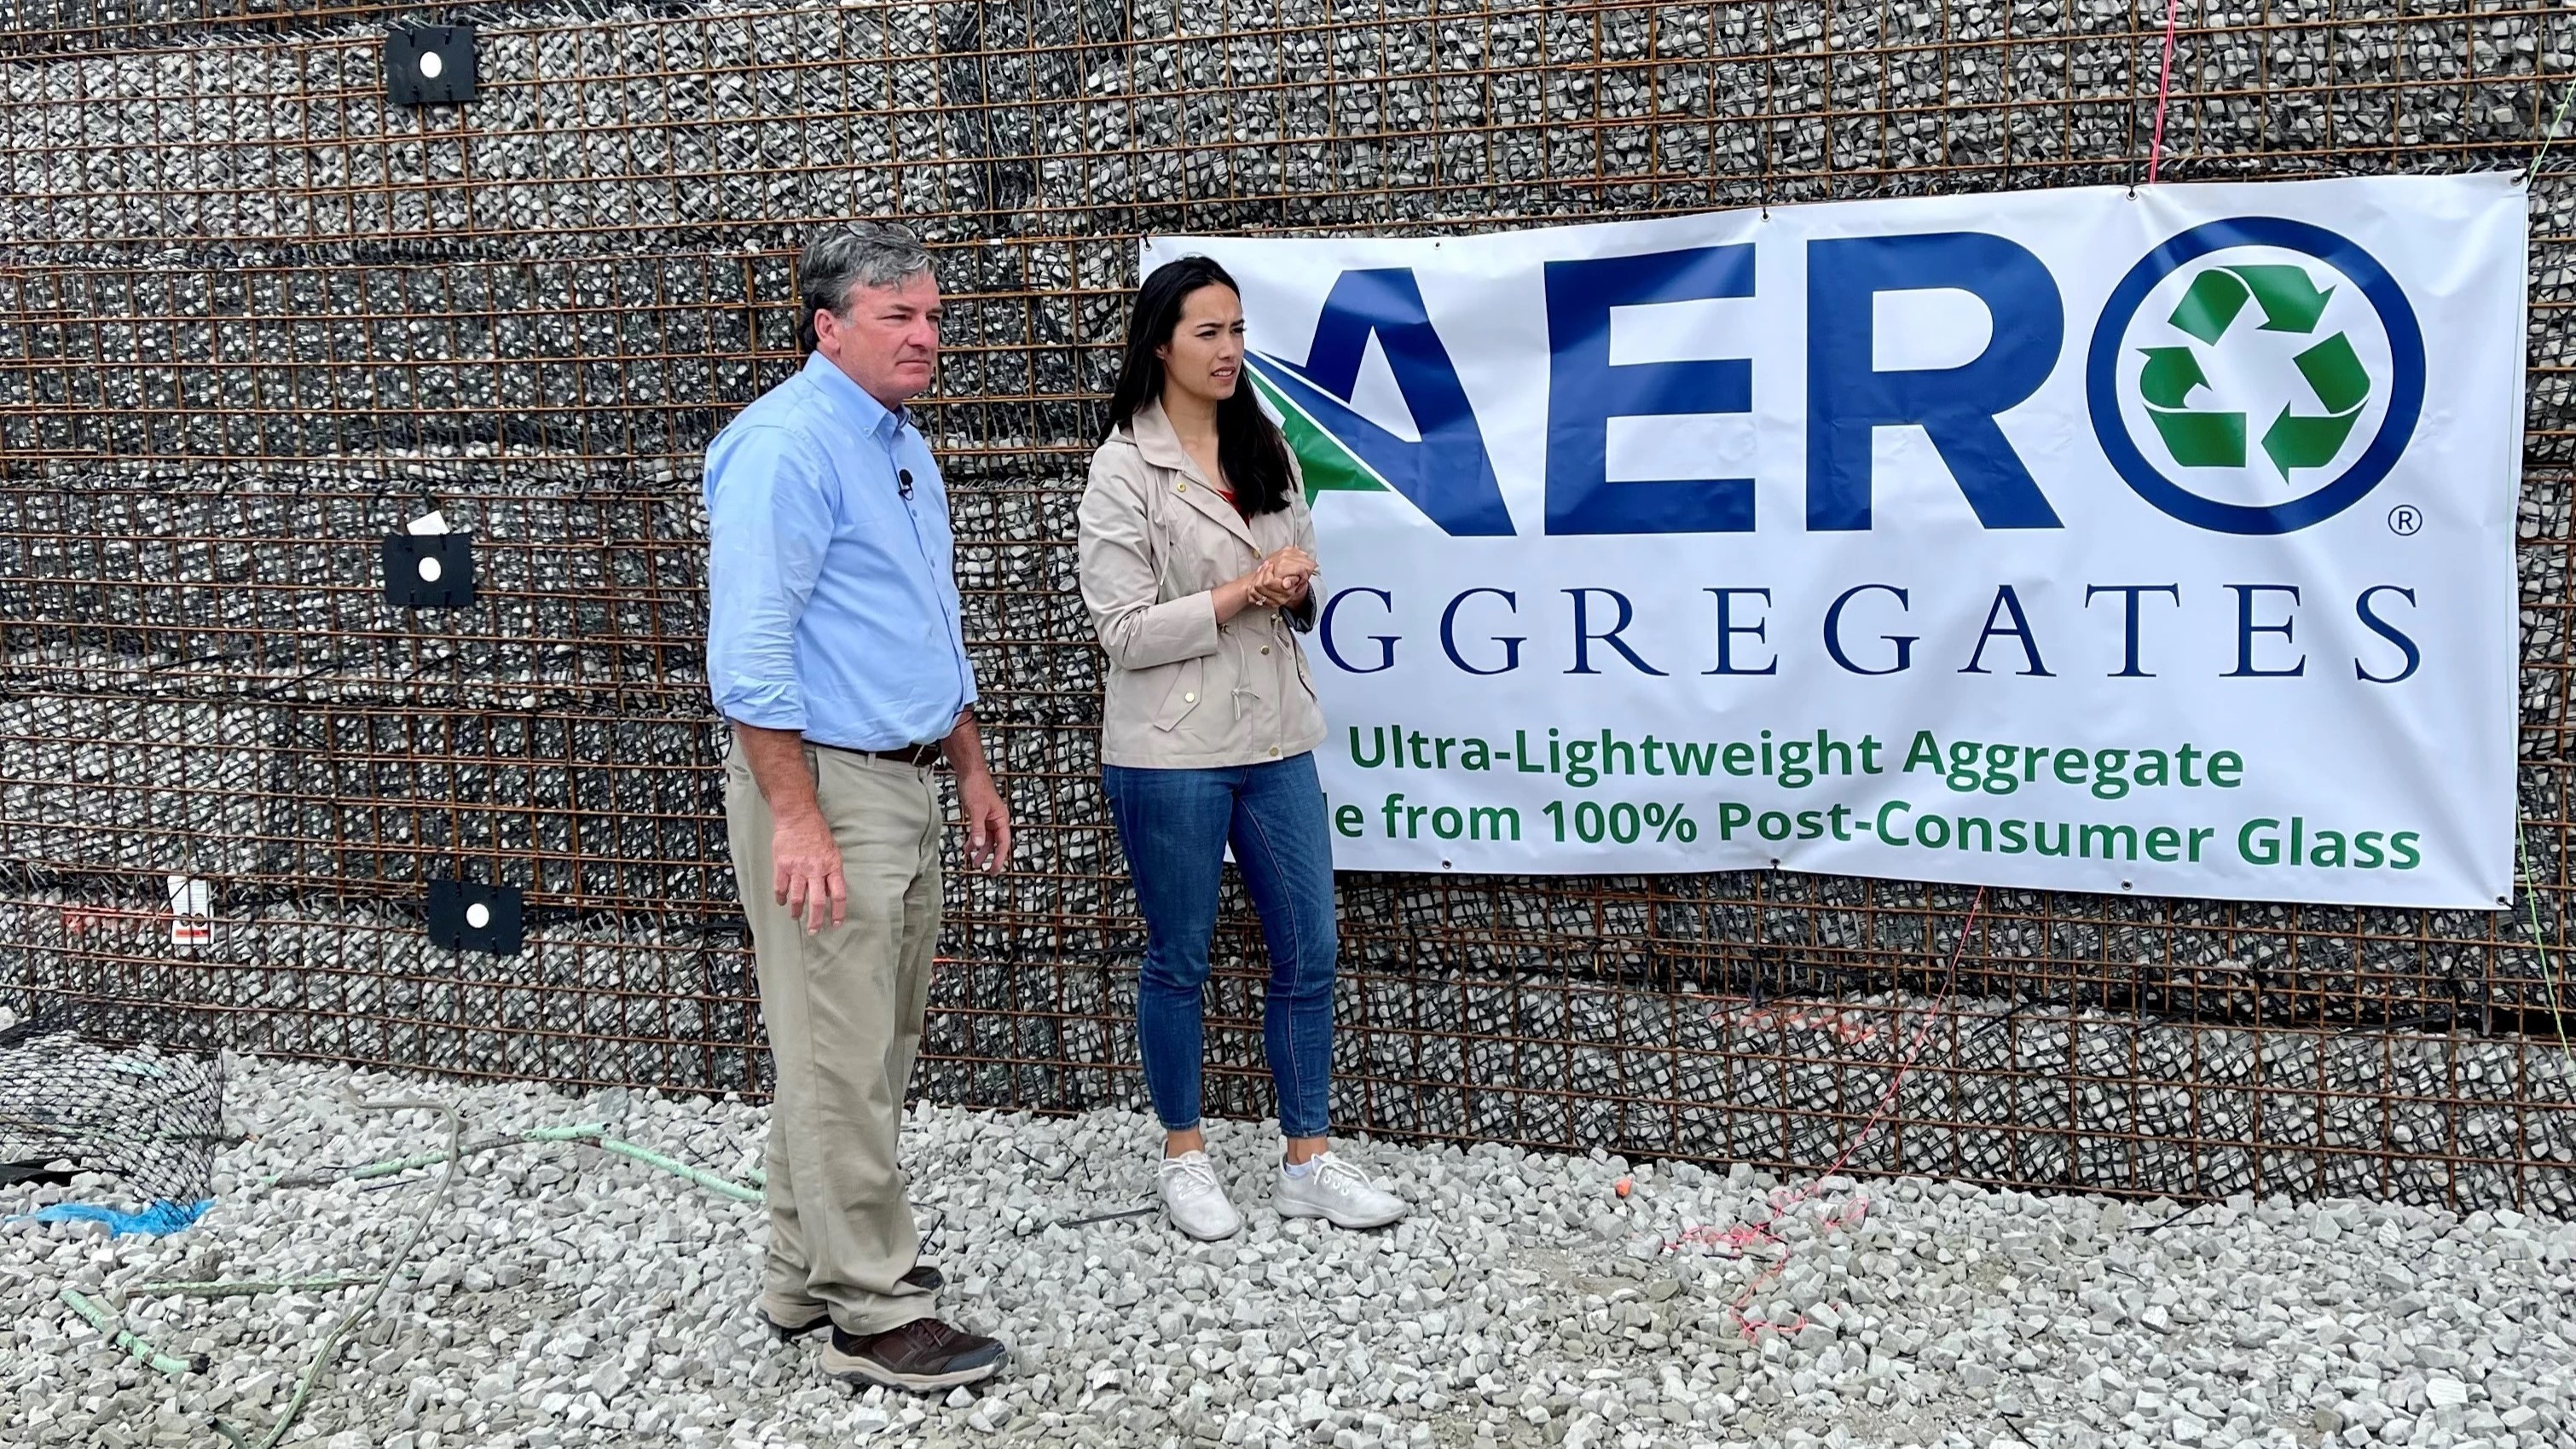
843 1009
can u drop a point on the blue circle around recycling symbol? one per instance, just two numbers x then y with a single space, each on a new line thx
2397 429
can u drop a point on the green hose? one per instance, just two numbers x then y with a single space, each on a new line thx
593 1133
106 1322
366 1306
703 1178
320 1176
247 1288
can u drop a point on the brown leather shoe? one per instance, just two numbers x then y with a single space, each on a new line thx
923 1279
923 1355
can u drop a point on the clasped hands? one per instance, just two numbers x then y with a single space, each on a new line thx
1283 578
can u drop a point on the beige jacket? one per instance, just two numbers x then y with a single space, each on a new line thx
1184 691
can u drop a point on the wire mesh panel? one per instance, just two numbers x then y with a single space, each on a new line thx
69 1106
254 317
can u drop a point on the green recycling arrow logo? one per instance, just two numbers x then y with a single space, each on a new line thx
2211 437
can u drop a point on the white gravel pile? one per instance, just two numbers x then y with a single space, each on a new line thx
568 1297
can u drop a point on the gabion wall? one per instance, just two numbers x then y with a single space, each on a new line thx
253 317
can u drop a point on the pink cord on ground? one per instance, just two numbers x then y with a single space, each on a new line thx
2164 94
1743 1237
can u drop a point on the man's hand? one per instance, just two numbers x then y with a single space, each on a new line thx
804 859
805 863
988 823
988 820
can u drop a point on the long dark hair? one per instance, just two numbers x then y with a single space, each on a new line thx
1248 445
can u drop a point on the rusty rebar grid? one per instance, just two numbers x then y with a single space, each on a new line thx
251 319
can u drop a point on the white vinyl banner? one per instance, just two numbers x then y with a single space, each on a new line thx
2155 542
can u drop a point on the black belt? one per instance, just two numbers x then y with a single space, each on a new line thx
920 757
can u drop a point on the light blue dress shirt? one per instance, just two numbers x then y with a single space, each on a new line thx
831 598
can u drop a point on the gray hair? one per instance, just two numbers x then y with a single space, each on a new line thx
861 254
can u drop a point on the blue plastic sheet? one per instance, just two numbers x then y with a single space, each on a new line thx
159 1218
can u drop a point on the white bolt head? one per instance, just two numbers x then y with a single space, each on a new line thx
431 64
430 569
478 915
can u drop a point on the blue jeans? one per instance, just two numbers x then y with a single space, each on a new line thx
1175 825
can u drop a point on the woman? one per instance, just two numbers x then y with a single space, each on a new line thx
1197 560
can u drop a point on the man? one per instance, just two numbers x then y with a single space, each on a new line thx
833 646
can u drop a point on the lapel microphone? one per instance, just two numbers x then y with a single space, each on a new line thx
903 483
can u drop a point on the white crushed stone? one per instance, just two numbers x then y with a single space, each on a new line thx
569 1298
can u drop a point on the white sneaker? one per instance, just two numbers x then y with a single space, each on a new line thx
1195 1199
1338 1193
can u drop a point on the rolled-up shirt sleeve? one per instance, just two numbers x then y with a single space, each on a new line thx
769 521
1138 628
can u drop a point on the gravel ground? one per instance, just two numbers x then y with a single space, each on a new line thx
564 1296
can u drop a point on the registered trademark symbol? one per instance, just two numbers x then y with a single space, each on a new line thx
2405 520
